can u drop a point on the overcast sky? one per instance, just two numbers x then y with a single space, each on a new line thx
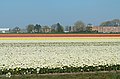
47 12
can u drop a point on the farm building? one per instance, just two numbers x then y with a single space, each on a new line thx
106 29
4 30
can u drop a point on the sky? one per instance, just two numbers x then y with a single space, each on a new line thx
47 12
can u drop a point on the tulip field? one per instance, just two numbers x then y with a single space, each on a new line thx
58 54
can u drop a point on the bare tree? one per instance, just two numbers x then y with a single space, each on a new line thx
114 22
79 26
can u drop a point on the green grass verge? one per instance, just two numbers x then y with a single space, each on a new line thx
108 75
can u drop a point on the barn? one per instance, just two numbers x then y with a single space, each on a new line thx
4 30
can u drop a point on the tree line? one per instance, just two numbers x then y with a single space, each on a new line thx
78 26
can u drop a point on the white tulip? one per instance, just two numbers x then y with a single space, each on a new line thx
58 53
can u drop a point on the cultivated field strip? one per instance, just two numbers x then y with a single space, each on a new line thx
59 44
58 53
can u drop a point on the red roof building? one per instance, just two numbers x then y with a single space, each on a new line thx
106 29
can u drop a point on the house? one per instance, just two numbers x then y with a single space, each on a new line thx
111 29
106 29
46 29
4 30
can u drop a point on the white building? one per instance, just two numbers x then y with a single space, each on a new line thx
4 30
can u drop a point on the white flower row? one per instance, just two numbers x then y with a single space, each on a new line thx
57 56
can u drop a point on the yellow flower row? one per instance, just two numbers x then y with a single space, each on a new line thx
60 38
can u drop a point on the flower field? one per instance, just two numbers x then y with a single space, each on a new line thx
59 54
59 35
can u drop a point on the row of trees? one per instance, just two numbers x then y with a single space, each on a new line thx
55 28
78 26
31 28
114 22
43 29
